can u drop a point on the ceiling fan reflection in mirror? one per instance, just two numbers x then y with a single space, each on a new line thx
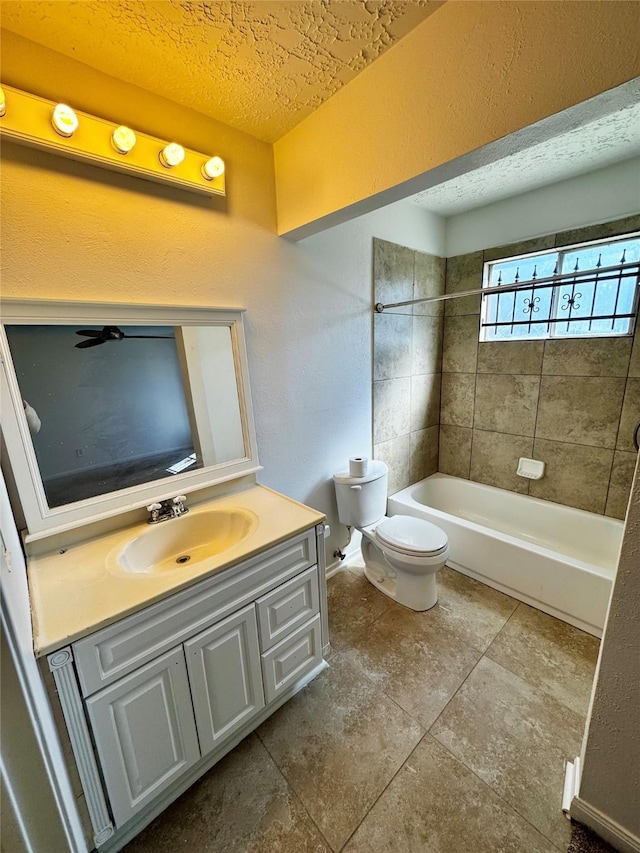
108 333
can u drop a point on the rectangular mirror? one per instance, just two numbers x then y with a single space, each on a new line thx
122 404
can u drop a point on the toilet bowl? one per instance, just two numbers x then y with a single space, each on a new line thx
401 554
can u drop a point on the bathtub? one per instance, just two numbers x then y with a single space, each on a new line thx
558 559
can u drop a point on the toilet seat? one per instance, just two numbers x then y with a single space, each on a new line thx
411 536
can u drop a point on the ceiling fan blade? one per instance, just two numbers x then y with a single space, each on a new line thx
91 333
90 342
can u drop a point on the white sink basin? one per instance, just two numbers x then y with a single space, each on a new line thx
181 542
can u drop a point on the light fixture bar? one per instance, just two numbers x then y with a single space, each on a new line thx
28 119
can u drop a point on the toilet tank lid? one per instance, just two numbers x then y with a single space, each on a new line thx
375 470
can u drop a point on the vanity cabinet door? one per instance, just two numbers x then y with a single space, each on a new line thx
145 733
226 678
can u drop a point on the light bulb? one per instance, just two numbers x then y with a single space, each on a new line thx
123 139
3 102
213 168
64 120
172 155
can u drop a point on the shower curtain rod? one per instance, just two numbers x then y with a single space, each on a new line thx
579 277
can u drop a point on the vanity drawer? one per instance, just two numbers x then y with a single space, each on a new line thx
120 648
292 658
287 607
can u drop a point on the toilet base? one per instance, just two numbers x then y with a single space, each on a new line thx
417 592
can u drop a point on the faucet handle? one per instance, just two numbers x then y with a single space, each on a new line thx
178 505
153 507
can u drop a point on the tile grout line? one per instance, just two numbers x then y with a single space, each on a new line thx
393 776
511 615
453 695
615 444
425 733
485 784
470 769
291 788
541 690
457 758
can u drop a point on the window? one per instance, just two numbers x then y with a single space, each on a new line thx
572 292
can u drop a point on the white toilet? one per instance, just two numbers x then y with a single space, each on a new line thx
401 554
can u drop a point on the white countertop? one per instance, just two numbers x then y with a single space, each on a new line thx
83 589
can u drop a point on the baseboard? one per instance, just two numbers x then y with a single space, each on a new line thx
614 834
334 568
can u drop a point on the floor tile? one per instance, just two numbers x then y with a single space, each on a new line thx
242 805
414 661
436 805
516 739
353 604
471 610
338 743
551 655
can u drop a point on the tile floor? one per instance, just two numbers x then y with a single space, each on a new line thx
437 732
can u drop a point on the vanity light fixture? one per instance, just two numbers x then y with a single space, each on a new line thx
57 128
172 155
213 168
64 120
123 139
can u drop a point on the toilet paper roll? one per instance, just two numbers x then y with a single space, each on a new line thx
358 466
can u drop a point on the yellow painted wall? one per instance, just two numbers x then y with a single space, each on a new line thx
472 73
250 179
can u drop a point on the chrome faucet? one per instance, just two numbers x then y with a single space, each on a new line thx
164 510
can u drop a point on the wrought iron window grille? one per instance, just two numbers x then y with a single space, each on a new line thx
597 301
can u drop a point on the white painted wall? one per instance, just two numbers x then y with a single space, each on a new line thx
609 797
599 196
320 363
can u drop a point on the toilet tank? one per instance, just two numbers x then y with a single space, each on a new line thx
362 500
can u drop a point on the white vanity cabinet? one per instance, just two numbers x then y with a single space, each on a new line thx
160 696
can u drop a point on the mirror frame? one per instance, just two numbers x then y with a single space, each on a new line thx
42 520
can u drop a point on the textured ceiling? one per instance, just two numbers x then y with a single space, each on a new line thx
592 146
260 67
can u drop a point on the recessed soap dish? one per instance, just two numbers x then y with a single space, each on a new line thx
532 469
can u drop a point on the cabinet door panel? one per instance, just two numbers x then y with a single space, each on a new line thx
225 675
145 733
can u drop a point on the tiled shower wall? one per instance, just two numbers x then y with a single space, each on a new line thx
571 403
407 363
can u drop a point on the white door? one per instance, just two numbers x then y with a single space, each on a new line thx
226 679
145 733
